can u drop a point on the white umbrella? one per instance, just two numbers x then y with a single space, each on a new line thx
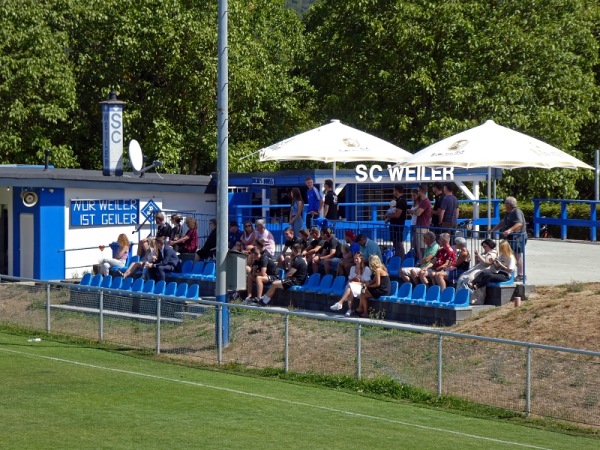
492 145
334 142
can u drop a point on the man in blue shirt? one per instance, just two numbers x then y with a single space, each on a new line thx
315 202
234 234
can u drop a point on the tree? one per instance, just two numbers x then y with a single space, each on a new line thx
416 71
37 86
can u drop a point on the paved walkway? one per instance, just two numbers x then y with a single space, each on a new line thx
552 261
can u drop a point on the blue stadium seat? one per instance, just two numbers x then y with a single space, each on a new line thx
432 296
106 282
337 287
325 283
408 262
393 293
171 288
148 287
86 280
193 292
137 285
208 273
393 265
116 283
418 293
159 288
404 292
196 271
182 289
126 284
447 296
462 299
508 282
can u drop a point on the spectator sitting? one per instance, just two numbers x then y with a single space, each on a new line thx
305 238
166 261
261 232
296 275
444 258
209 249
146 252
176 231
359 274
378 286
501 269
163 229
284 259
263 270
463 261
189 242
330 253
482 261
314 247
120 256
368 247
350 238
248 237
234 236
346 263
411 274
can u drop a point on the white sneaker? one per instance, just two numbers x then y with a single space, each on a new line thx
247 301
349 313
336 307
265 300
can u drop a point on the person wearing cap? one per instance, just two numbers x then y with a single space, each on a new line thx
235 235
512 228
350 239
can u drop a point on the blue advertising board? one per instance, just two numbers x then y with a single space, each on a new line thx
99 213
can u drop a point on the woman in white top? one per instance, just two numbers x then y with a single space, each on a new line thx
501 269
359 273
482 260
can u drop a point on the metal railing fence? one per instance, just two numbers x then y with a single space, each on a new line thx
531 378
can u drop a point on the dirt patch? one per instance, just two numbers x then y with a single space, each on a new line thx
565 316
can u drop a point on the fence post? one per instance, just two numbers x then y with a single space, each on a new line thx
287 343
101 308
439 365
358 350
48 308
220 334
528 382
158 313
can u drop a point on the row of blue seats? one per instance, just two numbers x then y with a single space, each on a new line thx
199 271
130 286
420 295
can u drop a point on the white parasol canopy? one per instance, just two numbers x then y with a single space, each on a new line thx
492 145
334 142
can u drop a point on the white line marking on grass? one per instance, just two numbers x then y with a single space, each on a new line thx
267 397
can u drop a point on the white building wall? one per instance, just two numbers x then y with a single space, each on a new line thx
82 242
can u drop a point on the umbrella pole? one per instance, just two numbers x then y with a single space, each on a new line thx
334 170
489 196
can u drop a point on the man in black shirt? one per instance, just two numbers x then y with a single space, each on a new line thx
397 221
296 276
263 270
284 258
330 208
330 254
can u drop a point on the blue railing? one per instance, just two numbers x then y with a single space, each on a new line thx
564 222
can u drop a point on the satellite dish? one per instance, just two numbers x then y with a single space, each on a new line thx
135 156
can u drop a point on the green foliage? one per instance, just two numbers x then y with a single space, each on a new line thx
37 86
417 71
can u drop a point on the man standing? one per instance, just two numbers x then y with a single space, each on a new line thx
423 213
512 228
448 212
330 208
397 221
315 202
166 261
438 193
